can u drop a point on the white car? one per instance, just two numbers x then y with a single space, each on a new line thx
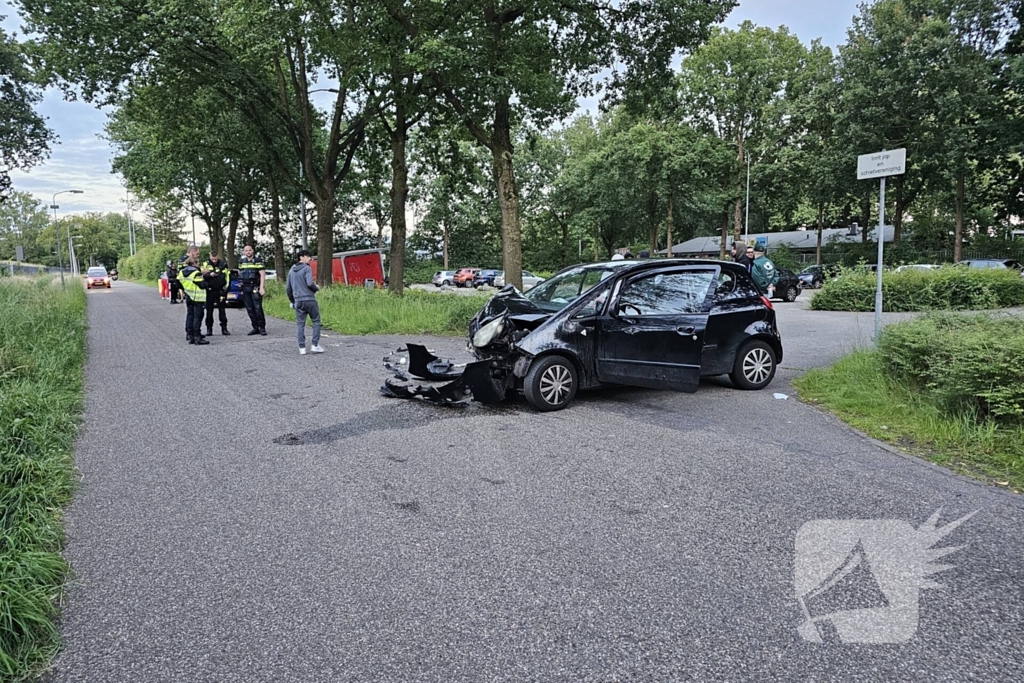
529 280
443 278
270 274
916 266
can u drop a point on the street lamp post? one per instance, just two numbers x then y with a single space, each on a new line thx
746 216
60 259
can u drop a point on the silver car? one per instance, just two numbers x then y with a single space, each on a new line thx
443 278
529 280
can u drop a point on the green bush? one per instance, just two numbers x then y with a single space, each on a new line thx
150 261
949 288
42 351
356 310
967 363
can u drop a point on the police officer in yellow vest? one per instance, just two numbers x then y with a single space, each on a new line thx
217 275
253 275
191 279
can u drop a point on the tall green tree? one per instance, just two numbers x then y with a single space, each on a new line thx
732 86
24 138
497 66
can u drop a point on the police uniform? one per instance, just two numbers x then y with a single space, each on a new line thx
217 276
191 279
249 273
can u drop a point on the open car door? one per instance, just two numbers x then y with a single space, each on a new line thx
653 333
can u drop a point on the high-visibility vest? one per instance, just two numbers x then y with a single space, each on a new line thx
190 278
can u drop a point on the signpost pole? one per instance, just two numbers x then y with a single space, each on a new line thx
880 165
881 247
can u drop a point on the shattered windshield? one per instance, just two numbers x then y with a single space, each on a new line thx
561 290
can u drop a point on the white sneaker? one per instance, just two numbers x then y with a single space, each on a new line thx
302 350
317 349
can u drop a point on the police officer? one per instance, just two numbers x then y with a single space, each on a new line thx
192 282
217 275
253 275
172 281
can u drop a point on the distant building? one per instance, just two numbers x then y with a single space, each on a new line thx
801 241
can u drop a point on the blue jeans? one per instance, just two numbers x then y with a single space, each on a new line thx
311 308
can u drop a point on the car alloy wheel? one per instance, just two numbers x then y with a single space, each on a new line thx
755 366
551 383
791 294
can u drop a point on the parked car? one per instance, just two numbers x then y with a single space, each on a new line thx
529 280
97 276
659 324
789 286
270 274
915 266
443 278
234 295
992 263
464 277
813 277
486 277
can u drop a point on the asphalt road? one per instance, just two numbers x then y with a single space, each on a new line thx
249 514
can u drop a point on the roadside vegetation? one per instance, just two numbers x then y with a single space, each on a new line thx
355 310
42 351
943 289
947 387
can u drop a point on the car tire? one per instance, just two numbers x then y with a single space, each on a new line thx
791 293
446 284
551 383
754 367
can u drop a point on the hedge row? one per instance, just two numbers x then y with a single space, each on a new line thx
151 260
949 288
966 362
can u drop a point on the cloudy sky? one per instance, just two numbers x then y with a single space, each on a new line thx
81 160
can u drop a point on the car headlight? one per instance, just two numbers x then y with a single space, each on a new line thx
486 334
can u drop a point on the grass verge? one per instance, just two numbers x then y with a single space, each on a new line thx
355 310
42 352
861 391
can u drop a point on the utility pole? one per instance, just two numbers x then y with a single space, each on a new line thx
56 231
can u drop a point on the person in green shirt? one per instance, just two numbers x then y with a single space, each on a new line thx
764 272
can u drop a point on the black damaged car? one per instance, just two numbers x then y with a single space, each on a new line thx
661 324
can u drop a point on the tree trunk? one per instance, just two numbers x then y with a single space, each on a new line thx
215 225
958 232
668 231
325 238
399 193
897 217
865 216
508 195
821 225
236 216
444 243
723 248
565 242
250 224
847 209
280 263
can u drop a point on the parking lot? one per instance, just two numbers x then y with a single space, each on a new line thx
305 528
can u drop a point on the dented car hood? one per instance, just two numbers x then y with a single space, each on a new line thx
523 313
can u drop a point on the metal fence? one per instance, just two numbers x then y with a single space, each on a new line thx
19 268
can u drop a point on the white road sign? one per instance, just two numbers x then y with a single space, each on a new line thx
882 164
